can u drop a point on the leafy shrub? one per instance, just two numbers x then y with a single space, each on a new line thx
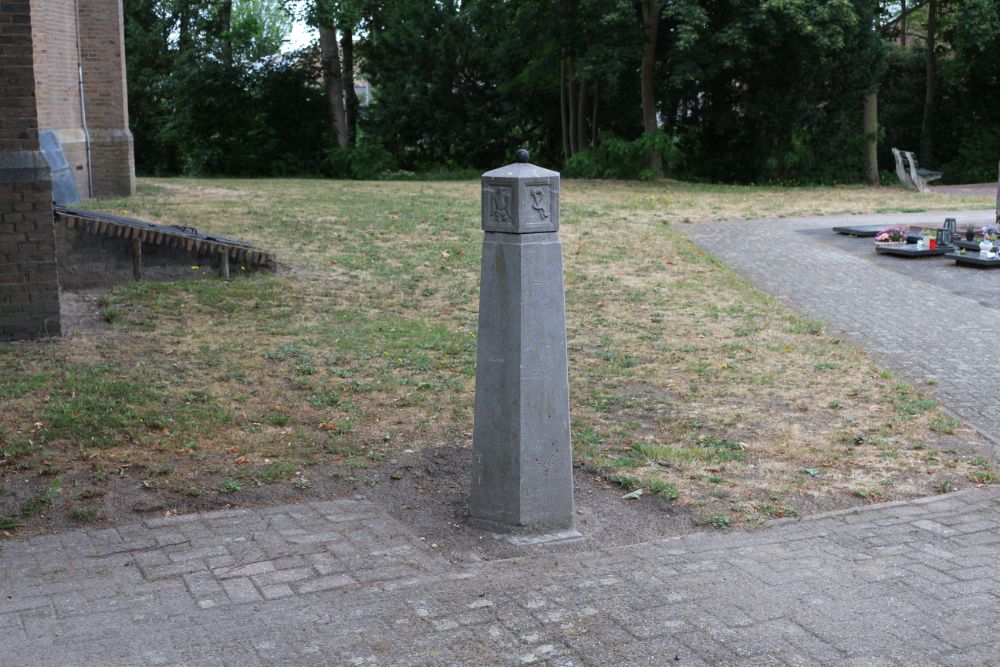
976 160
365 162
620 159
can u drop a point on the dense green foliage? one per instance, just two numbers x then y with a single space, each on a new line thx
967 119
204 99
746 90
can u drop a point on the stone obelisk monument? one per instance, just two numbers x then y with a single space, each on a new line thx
522 471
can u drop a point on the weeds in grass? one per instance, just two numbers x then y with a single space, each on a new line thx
231 486
945 425
663 489
110 314
43 500
278 419
83 514
983 476
276 471
10 524
944 486
717 520
872 495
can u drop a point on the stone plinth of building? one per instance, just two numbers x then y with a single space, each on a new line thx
29 282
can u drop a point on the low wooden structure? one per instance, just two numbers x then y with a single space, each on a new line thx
99 248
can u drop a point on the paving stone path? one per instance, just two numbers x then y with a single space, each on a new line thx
340 583
926 317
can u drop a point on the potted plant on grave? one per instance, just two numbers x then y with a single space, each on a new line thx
970 233
894 237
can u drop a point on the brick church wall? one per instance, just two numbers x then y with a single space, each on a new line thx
29 283
105 101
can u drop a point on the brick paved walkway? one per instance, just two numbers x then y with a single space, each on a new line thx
924 317
340 583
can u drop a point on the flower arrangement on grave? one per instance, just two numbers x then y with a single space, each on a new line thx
989 235
893 236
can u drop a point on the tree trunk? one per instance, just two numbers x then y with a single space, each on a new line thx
352 105
902 24
871 139
334 82
926 129
184 29
226 31
563 111
593 115
574 148
581 115
651 10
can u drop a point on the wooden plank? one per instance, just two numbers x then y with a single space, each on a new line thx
224 265
137 259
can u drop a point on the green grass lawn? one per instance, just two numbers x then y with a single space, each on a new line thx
685 380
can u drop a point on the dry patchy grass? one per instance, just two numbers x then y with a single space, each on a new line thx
686 381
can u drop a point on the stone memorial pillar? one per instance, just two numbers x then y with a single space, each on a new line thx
522 470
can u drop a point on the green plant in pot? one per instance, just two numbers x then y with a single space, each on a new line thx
970 233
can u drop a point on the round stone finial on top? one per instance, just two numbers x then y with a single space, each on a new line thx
522 155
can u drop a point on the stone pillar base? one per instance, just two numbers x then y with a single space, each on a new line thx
111 156
29 280
112 162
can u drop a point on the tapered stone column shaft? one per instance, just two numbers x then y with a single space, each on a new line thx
522 454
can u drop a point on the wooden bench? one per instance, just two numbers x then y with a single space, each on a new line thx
902 172
910 174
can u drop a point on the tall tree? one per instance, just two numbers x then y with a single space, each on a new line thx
352 106
225 31
902 23
927 127
333 75
336 21
652 10
871 138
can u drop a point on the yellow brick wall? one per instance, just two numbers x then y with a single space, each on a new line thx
101 44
